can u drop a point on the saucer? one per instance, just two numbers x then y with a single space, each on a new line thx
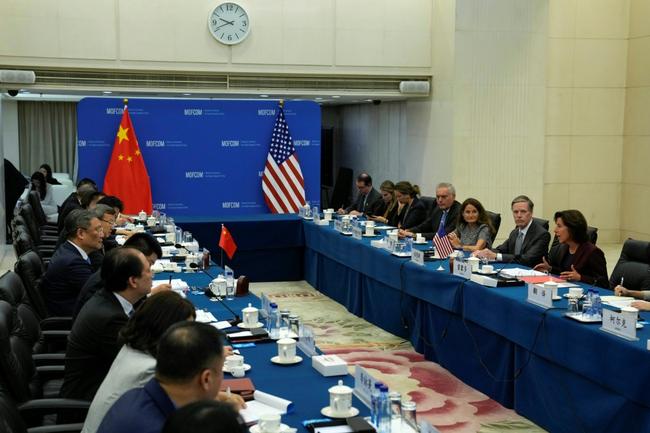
328 412
557 298
227 370
487 273
276 360
256 428
245 326
370 236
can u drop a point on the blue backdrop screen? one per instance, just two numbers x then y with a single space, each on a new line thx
205 158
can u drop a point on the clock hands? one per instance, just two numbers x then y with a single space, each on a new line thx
232 23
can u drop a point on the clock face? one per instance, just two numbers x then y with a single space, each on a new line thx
229 23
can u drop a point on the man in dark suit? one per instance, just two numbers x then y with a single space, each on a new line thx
527 243
73 201
93 340
366 198
445 215
70 266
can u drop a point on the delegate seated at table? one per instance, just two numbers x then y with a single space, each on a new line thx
642 293
575 258
443 218
411 211
474 229
527 243
385 210
366 198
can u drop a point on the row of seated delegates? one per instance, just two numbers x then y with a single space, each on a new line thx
189 366
44 190
527 243
444 217
575 258
46 170
385 210
73 201
365 199
474 229
135 363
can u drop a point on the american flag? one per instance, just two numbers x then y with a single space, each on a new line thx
443 245
282 182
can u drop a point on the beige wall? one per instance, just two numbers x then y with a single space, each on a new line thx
317 36
636 141
587 58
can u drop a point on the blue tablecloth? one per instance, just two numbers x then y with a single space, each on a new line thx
561 374
300 383
269 247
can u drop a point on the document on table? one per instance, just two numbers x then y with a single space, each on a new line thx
263 404
177 284
205 316
520 272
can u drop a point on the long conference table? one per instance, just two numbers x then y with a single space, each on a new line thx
563 375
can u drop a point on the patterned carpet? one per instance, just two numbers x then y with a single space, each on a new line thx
443 400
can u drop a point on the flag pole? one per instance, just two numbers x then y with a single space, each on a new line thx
281 103
221 248
126 102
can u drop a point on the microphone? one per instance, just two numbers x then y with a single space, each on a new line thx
219 299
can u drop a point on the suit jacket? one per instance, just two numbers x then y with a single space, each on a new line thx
430 226
534 247
92 345
358 205
140 410
69 204
589 261
93 285
65 276
416 214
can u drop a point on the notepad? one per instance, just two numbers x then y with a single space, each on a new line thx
262 404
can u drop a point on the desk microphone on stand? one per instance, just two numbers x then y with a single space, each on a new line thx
219 299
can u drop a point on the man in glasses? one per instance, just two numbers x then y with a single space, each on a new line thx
70 266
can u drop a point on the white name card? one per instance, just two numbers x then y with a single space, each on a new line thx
316 216
390 244
540 296
462 269
306 341
620 324
338 226
364 383
417 256
357 232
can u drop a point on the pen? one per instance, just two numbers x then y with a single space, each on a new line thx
622 279
228 392
170 280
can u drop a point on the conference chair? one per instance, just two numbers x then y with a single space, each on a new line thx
39 235
34 201
341 192
633 265
23 241
542 222
495 219
13 417
429 203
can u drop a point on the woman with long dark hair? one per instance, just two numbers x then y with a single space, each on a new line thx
474 229
47 172
44 190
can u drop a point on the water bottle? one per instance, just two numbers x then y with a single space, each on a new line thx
272 325
230 283
587 305
374 400
597 304
383 411
409 245
179 234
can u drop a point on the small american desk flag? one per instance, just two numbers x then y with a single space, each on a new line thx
282 183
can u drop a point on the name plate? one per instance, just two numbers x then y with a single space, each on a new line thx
462 269
338 225
540 296
417 256
364 383
316 216
357 232
620 323
390 244
306 341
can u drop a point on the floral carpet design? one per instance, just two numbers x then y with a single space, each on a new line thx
442 399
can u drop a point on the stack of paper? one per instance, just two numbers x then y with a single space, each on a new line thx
520 272
263 404
205 316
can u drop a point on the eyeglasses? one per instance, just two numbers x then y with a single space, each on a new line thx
112 223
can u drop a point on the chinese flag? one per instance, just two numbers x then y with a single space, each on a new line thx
127 176
226 242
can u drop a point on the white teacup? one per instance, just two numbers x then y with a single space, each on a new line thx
474 262
250 315
575 292
552 286
370 229
269 423
340 400
234 361
419 238
630 313
287 349
487 269
151 221
238 371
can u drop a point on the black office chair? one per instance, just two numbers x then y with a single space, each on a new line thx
41 219
341 192
495 219
542 222
592 235
633 265
429 203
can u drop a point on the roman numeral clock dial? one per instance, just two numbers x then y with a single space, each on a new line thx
229 23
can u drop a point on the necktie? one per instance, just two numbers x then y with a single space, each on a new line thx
519 242
441 226
365 197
